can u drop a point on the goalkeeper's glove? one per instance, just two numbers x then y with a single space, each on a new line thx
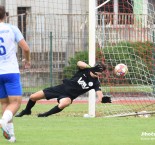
106 99
98 68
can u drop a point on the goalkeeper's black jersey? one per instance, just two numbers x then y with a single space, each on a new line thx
81 83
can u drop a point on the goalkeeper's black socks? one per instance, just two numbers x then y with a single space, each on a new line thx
29 105
54 110
27 110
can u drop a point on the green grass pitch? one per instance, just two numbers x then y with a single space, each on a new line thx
70 128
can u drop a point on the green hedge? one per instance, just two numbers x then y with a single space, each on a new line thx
71 69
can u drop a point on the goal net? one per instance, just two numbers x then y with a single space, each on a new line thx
58 31
125 34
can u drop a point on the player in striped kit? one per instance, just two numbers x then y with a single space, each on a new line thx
10 85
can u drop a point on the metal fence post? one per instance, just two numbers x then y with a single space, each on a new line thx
50 55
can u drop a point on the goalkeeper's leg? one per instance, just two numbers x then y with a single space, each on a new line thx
32 101
63 103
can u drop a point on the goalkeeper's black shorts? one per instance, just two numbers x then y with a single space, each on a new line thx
56 92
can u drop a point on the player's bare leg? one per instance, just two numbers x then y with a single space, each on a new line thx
12 103
64 102
37 96
9 106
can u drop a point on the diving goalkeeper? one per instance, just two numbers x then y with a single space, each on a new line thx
85 79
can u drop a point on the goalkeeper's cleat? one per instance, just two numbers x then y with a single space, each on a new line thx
4 129
42 115
12 139
22 113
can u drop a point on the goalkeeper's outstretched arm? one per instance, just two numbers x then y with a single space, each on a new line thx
83 65
99 95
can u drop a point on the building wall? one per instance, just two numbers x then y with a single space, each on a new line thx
62 18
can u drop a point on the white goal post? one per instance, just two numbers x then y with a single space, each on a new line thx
92 28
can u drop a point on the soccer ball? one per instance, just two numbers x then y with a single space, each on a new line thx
121 69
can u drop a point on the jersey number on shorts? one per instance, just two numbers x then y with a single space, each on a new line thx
2 48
